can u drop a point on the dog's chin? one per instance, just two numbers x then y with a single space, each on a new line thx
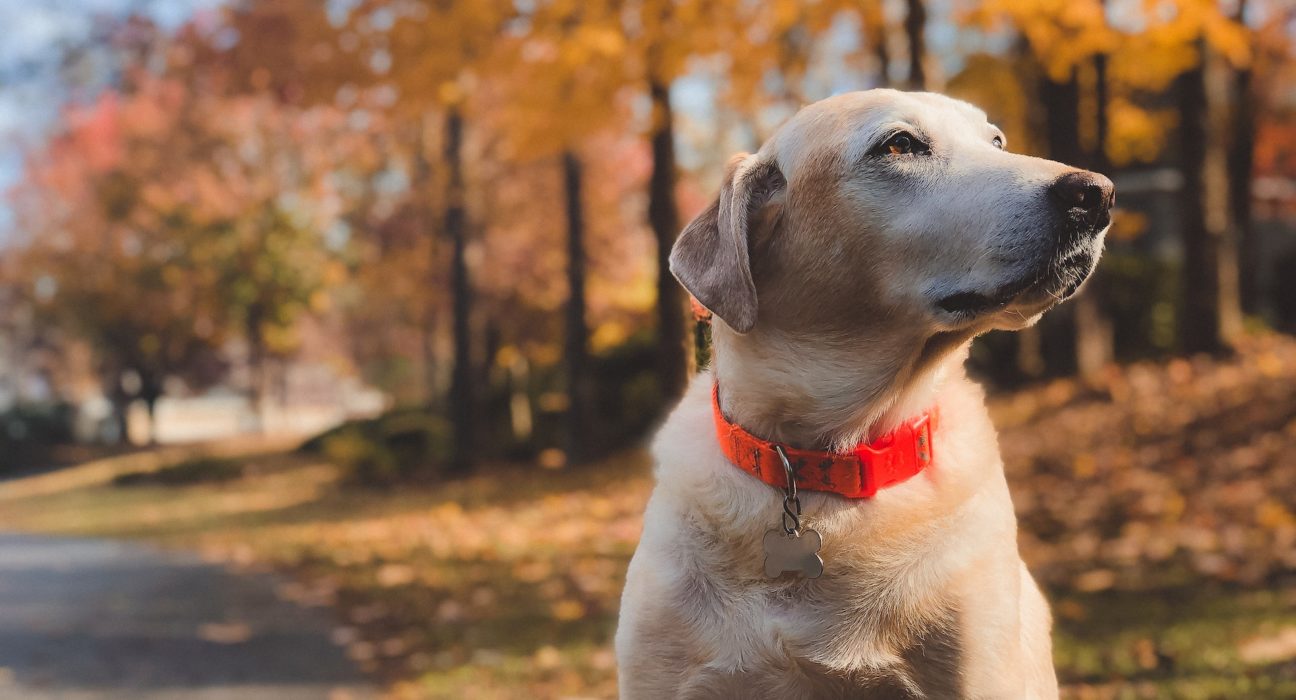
1020 302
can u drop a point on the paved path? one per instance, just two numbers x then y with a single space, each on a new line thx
82 619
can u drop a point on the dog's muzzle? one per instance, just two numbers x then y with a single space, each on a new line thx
1082 202
1085 200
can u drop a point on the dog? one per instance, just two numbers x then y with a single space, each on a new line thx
848 264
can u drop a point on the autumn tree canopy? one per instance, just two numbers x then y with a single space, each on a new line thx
478 198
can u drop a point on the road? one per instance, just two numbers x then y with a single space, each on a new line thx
83 619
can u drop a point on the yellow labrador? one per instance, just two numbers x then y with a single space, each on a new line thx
848 264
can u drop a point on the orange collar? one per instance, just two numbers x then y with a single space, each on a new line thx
860 473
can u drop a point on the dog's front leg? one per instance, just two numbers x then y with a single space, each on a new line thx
1004 647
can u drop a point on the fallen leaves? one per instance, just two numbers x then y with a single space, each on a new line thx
1174 470
1136 496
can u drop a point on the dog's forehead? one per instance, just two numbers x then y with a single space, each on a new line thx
849 123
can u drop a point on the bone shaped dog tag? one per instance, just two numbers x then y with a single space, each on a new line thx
796 553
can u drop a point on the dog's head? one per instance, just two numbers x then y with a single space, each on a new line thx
892 208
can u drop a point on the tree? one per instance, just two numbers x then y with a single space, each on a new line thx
198 212
661 35
1094 340
1210 315
110 258
562 81
430 53
1065 37
576 346
1241 161
915 28
1207 302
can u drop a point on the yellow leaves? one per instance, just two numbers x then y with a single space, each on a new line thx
606 336
1084 465
335 272
450 93
1273 515
1061 32
1127 225
547 657
1174 505
590 43
392 575
281 339
567 610
1222 33
1137 134
1269 365
997 85
1095 580
1151 62
1149 43
320 301
786 12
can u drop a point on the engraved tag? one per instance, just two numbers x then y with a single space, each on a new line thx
798 554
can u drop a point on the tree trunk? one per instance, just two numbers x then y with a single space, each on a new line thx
663 216
256 365
461 392
121 416
520 414
1223 221
1061 100
877 31
915 26
120 410
150 391
427 343
150 404
422 186
1199 322
1093 329
1240 162
1062 103
1030 352
1102 117
577 332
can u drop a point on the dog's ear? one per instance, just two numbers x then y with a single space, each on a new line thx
712 257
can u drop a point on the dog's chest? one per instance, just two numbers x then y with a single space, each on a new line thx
861 614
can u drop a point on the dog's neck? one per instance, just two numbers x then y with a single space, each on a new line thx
825 394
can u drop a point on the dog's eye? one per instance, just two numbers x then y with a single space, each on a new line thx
903 144
998 142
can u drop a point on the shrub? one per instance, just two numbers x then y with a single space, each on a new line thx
199 470
407 445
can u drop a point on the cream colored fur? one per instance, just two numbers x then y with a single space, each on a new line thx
827 333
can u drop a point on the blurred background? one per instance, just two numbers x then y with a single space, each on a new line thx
369 294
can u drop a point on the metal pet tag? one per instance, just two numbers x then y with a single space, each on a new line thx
791 548
798 553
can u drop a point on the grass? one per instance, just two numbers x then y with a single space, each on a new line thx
506 586
1191 642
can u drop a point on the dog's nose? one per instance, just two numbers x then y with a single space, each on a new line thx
1091 193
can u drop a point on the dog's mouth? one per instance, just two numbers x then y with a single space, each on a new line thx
973 303
1056 282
